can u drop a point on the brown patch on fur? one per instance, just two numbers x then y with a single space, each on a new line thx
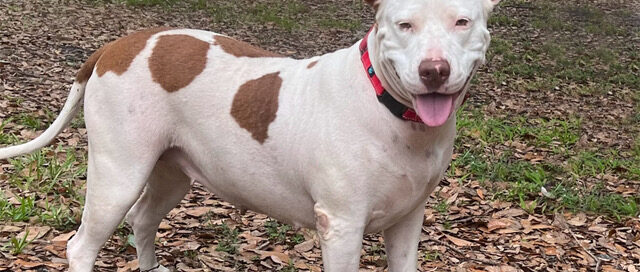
87 68
177 60
242 49
312 64
256 103
120 54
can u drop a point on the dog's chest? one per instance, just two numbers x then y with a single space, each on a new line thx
405 178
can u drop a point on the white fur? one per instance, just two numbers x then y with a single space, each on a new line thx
333 151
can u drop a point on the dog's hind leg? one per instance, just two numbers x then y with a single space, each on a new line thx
166 186
116 175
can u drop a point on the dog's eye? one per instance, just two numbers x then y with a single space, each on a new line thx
463 22
405 26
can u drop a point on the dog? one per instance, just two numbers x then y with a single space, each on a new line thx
348 143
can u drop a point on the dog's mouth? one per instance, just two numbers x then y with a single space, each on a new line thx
435 108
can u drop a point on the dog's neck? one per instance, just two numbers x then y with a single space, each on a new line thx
397 108
384 69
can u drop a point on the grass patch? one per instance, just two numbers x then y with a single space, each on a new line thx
29 121
48 176
290 16
536 132
283 14
486 158
20 213
140 3
227 238
17 244
598 202
521 181
591 164
7 138
281 233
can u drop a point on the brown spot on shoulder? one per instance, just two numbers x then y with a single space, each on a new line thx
312 64
242 49
177 60
87 68
255 105
120 53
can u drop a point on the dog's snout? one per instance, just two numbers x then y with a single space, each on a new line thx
434 73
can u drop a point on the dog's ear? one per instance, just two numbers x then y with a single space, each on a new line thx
489 4
373 3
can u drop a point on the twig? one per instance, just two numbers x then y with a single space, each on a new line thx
598 261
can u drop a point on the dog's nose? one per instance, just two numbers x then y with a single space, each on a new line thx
434 73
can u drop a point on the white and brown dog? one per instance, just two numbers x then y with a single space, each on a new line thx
331 143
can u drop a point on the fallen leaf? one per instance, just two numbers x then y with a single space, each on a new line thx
34 232
26 264
578 221
278 257
459 242
495 224
304 246
480 193
61 240
197 211
10 229
164 225
129 266
513 212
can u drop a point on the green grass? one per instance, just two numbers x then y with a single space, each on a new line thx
141 3
29 121
283 14
591 164
17 244
290 16
282 233
7 138
51 177
560 170
597 201
20 213
524 180
227 238
536 132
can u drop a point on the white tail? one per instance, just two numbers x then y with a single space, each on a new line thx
69 110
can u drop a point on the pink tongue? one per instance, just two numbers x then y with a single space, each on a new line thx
434 109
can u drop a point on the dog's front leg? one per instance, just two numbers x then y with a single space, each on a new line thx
340 238
401 241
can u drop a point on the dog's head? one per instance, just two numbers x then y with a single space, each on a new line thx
427 51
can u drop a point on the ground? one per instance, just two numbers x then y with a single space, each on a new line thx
546 171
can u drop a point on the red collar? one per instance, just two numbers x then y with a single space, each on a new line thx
398 109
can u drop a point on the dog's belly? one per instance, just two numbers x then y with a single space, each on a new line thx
248 183
263 185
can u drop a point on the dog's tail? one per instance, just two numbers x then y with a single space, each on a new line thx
70 109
